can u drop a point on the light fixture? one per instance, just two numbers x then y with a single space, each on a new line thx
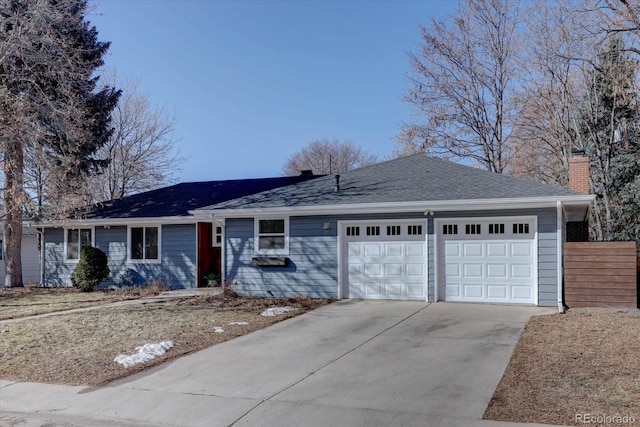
326 226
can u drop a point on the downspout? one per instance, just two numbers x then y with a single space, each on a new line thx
42 263
559 249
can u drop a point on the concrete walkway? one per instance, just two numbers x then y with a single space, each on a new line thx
350 363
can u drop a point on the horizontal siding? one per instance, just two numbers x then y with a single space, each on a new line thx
30 260
601 274
313 253
312 270
176 269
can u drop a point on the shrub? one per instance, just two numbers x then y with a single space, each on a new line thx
92 269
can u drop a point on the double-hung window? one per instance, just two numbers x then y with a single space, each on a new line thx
77 239
144 243
272 236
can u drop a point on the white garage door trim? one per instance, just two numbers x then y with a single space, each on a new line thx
346 238
510 240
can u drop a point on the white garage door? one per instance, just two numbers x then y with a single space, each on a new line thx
386 260
488 261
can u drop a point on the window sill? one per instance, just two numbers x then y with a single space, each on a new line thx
144 261
270 261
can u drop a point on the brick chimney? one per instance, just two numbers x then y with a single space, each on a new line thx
579 172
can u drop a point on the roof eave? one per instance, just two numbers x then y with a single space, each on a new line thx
399 207
96 222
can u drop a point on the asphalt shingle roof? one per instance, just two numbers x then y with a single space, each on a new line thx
409 179
179 199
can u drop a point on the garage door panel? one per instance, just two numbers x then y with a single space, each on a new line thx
393 269
497 292
355 250
372 249
415 290
521 293
483 268
393 249
495 271
521 249
473 291
415 270
496 249
415 249
473 270
453 290
386 270
524 271
472 249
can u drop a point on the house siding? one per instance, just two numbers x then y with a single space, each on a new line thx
313 254
177 268
312 270
30 260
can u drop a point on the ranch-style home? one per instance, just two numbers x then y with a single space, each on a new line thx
149 236
417 228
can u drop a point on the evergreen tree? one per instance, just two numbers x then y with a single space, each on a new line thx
610 135
49 101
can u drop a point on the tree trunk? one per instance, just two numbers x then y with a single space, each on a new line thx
13 172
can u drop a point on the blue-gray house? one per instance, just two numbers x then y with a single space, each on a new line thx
417 228
149 236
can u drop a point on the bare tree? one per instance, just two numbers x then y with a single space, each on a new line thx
48 99
552 61
326 156
141 152
463 77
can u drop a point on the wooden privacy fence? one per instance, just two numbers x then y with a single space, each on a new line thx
601 274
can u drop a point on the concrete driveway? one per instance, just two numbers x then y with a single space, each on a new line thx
351 363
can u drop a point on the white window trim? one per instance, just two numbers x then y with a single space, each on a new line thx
66 241
144 261
257 235
214 234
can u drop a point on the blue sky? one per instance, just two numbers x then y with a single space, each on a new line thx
252 82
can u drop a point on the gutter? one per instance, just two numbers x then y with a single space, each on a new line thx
559 249
396 207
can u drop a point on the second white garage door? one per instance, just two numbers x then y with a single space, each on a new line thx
386 260
487 260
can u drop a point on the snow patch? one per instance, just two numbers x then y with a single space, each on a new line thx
239 323
218 329
274 311
144 354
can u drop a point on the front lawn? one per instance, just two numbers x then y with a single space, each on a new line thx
79 348
573 367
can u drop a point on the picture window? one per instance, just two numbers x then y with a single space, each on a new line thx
76 240
144 243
